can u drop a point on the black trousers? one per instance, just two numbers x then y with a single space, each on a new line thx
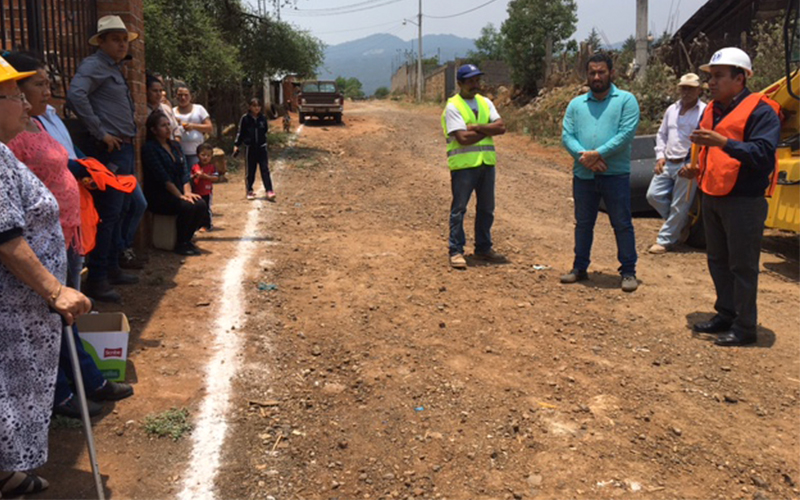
257 156
734 227
191 216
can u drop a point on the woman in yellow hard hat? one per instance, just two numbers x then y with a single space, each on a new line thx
33 266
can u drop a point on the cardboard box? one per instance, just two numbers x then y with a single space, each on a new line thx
105 337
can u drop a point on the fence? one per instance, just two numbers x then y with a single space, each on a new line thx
56 30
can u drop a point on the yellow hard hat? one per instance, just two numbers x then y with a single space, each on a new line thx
7 72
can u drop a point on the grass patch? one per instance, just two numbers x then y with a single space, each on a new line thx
62 422
172 423
278 139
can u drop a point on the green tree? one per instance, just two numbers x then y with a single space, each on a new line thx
350 87
529 24
768 56
629 45
269 46
382 93
212 43
594 40
489 45
183 41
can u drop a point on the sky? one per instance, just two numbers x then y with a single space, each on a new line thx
614 18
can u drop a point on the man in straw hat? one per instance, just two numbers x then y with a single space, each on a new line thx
100 97
738 134
668 191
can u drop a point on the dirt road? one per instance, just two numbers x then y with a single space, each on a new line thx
372 370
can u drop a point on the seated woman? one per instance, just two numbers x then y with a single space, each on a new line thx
33 270
166 184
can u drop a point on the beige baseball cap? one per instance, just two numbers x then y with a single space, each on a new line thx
689 80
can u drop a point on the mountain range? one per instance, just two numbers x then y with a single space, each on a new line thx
375 58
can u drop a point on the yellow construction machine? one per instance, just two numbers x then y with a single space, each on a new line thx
784 205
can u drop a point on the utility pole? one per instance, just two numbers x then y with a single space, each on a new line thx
419 59
641 38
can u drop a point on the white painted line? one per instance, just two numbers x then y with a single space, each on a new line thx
211 424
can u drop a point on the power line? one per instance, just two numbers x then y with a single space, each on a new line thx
359 29
335 11
462 13
343 7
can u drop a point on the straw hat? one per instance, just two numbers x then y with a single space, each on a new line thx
7 72
107 24
689 80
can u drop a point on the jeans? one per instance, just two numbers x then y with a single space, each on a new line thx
74 268
92 378
207 198
667 194
112 206
464 182
137 204
734 227
104 256
615 191
257 156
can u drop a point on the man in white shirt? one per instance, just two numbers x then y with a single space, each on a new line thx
470 121
668 191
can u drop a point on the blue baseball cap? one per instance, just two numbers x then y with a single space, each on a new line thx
467 71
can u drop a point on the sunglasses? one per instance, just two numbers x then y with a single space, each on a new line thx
17 97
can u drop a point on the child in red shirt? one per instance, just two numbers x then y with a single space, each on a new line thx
205 175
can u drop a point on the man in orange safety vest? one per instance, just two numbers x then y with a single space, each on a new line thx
737 138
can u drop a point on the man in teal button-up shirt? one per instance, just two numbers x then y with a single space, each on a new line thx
597 132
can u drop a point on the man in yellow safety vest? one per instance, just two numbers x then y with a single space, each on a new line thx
470 121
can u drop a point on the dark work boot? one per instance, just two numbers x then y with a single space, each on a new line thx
714 325
72 408
112 391
101 291
117 277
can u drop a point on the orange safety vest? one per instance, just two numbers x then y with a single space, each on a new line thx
101 178
718 171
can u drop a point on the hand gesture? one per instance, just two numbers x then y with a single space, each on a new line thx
112 142
709 138
659 168
191 197
687 172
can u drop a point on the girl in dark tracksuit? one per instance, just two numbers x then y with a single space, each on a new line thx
253 134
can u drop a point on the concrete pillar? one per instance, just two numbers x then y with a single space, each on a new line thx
641 37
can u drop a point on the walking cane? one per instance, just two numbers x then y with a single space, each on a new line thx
87 424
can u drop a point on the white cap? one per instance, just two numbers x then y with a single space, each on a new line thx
730 56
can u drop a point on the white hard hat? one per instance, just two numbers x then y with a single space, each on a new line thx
730 56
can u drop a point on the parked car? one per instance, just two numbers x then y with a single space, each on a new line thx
322 99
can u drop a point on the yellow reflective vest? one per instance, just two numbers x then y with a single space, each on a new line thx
482 153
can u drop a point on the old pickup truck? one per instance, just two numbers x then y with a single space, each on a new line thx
321 99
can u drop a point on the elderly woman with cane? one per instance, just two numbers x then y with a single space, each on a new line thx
33 267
